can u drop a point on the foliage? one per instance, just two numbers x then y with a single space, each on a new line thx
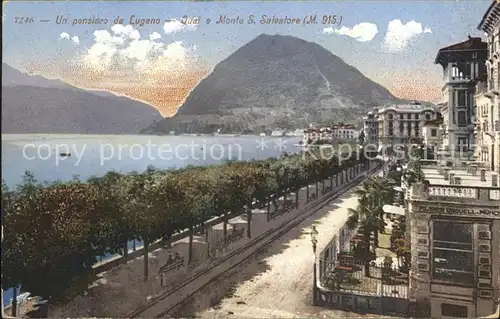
54 233
373 194
413 172
402 250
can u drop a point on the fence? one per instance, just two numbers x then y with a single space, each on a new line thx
328 258
378 289
346 283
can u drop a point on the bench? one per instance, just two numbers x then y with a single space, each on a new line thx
344 268
236 235
172 264
277 213
345 256
327 189
288 206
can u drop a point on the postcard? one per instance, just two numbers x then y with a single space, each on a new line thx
186 158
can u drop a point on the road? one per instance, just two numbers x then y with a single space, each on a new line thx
277 282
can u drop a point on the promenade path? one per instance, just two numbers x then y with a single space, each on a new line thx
123 290
276 282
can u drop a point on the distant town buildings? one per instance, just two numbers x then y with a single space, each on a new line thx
344 132
397 124
339 131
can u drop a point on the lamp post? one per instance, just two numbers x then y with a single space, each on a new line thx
314 241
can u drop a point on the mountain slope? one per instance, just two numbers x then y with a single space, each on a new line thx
34 104
275 81
12 77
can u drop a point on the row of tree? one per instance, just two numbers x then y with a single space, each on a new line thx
54 233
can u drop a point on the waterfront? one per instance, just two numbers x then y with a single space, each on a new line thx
98 154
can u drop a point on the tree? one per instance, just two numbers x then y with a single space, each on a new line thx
55 232
366 218
138 199
403 251
373 194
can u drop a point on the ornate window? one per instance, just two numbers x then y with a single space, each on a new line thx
452 252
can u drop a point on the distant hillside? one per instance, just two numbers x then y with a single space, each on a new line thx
275 81
34 104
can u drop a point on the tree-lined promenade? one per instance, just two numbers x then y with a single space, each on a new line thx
54 233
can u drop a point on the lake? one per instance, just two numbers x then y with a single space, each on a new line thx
98 154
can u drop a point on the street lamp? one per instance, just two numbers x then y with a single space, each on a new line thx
314 241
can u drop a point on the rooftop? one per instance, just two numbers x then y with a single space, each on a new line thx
471 44
434 178
471 191
490 18
408 107
345 126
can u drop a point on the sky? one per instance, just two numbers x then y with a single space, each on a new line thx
392 42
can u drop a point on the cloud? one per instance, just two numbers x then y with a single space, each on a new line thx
174 26
124 49
362 32
154 36
66 36
126 31
399 35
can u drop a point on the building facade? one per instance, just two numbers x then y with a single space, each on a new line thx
488 94
455 244
370 128
402 124
463 64
344 132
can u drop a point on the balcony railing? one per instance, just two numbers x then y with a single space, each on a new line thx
461 192
459 77
457 193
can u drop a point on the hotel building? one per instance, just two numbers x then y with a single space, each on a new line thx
370 127
344 132
463 64
454 223
400 124
454 216
487 94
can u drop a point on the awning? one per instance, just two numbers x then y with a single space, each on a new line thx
390 209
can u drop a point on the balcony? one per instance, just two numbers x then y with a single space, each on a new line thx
467 186
461 193
456 79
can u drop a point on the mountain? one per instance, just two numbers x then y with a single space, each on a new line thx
12 77
35 104
275 81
